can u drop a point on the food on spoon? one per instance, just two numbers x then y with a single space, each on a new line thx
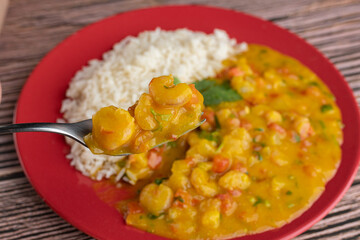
163 115
270 144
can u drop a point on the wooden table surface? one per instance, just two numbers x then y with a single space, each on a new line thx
33 27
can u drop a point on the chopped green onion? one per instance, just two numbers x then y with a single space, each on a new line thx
152 216
258 201
259 129
313 84
289 192
158 181
172 144
322 124
252 200
211 136
326 107
262 51
179 198
121 164
291 205
267 203
164 117
258 155
217 123
176 80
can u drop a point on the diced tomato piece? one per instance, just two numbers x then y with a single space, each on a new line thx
277 128
234 122
283 70
235 192
228 205
182 198
274 95
260 82
195 201
220 164
313 91
310 170
235 71
239 166
209 115
245 124
134 208
293 76
155 157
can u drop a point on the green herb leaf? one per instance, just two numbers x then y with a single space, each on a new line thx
219 94
322 124
291 205
171 144
176 80
297 138
215 94
259 129
258 155
205 84
289 192
121 164
158 181
153 112
313 84
326 107
179 198
153 216
217 123
258 201
211 136
164 117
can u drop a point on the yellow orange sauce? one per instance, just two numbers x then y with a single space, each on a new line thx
254 165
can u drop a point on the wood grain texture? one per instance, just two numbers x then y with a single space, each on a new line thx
33 27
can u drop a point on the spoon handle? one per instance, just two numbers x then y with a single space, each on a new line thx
76 131
31 127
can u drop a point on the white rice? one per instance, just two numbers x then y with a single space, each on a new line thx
124 73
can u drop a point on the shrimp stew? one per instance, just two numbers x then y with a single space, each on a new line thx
270 143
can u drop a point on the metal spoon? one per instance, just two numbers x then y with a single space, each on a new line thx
76 131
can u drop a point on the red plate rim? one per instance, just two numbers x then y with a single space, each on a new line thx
26 144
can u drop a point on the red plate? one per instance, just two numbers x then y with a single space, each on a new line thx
73 196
